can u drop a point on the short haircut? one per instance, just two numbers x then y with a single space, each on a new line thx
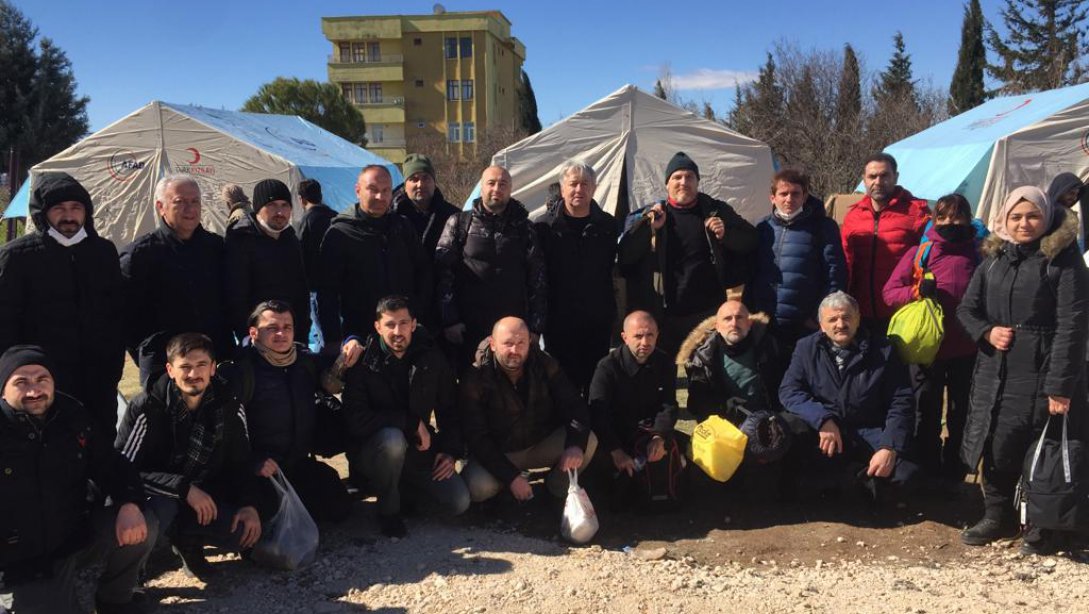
181 345
376 167
790 175
881 157
171 179
953 205
309 190
275 306
839 300
581 168
233 193
392 303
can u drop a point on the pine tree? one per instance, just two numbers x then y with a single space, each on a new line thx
527 103
897 81
56 115
17 65
966 90
708 111
849 92
1045 40
659 91
738 120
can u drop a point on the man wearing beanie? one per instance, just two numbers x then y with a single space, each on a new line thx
681 254
311 229
52 449
60 288
367 254
174 279
263 261
420 201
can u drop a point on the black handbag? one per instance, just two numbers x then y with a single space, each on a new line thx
1054 485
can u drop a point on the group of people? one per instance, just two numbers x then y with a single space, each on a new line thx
471 348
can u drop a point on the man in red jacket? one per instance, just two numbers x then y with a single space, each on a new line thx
877 231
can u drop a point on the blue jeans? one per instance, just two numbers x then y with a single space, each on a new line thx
316 340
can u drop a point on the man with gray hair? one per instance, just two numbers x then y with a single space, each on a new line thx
173 279
855 394
578 240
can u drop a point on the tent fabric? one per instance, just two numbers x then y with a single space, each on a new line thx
633 130
120 164
1003 143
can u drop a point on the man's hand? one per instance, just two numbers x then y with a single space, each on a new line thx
130 527
251 526
351 351
1058 406
831 443
520 488
882 463
444 467
268 468
571 459
623 462
655 449
455 334
716 227
1001 337
423 437
202 504
657 216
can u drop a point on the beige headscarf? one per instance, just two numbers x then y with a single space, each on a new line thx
1032 194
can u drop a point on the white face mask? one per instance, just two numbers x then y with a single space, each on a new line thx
275 234
787 218
65 241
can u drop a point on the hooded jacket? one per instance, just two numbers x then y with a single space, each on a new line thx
874 242
259 268
364 259
311 230
798 263
428 225
68 300
1041 290
1063 183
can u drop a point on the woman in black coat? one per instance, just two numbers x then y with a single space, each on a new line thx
1026 308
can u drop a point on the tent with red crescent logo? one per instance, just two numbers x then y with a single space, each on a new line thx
120 164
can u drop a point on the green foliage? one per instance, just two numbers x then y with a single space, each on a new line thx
966 91
897 81
849 94
1044 42
320 103
527 106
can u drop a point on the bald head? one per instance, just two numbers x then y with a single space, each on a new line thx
510 345
640 335
495 188
732 322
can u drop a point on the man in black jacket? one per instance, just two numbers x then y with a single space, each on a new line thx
680 255
578 240
60 288
311 230
368 254
521 412
186 435
263 260
174 280
388 399
489 266
50 449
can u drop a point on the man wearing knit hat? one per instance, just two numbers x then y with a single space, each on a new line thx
311 229
681 254
52 450
263 261
60 288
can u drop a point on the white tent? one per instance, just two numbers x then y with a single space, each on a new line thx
120 164
628 138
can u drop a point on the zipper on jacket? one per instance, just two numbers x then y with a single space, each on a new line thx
873 261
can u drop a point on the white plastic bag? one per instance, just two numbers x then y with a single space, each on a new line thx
290 540
579 524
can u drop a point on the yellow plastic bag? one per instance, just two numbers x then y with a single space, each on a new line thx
916 331
717 447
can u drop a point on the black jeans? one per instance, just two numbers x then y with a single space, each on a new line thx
578 348
945 383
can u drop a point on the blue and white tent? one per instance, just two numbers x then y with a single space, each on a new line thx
1006 142
120 164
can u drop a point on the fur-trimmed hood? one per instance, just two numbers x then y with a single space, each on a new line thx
706 329
1064 231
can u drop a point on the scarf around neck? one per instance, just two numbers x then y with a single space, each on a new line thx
274 358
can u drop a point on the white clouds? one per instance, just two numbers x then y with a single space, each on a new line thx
712 79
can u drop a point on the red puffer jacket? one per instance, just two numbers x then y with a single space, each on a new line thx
874 243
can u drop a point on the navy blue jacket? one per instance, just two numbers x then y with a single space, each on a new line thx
874 390
798 263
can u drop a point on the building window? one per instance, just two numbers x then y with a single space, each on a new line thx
347 89
467 89
359 53
345 52
360 93
451 48
374 52
453 89
421 124
419 82
376 92
416 42
453 132
466 47
468 131
378 133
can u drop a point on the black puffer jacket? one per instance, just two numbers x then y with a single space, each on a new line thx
496 420
579 265
491 266
428 225
172 287
311 230
68 300
628 398
364 259
1042 291
259 268
44 472
381 391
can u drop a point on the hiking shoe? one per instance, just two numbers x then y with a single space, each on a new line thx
986 531
392 525
194 564
1039 541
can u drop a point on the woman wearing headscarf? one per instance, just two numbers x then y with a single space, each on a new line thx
1026 308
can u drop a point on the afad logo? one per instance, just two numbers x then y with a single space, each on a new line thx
123 166
193 166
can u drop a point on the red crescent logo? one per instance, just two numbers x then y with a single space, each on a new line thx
196 155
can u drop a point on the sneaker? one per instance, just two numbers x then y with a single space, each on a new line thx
392 525
194 564
986 531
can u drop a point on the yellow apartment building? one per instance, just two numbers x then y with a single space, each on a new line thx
450 75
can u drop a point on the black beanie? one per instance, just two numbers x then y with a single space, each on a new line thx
268 190
310 191
54 188
681 161
21 356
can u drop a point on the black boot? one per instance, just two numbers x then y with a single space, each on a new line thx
1040 541
987 530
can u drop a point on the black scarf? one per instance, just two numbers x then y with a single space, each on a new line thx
206 426
739 348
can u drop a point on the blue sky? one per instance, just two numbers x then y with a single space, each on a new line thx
217 54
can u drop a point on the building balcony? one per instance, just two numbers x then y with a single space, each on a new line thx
392 102
337 58
381 113
387 143
355 73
